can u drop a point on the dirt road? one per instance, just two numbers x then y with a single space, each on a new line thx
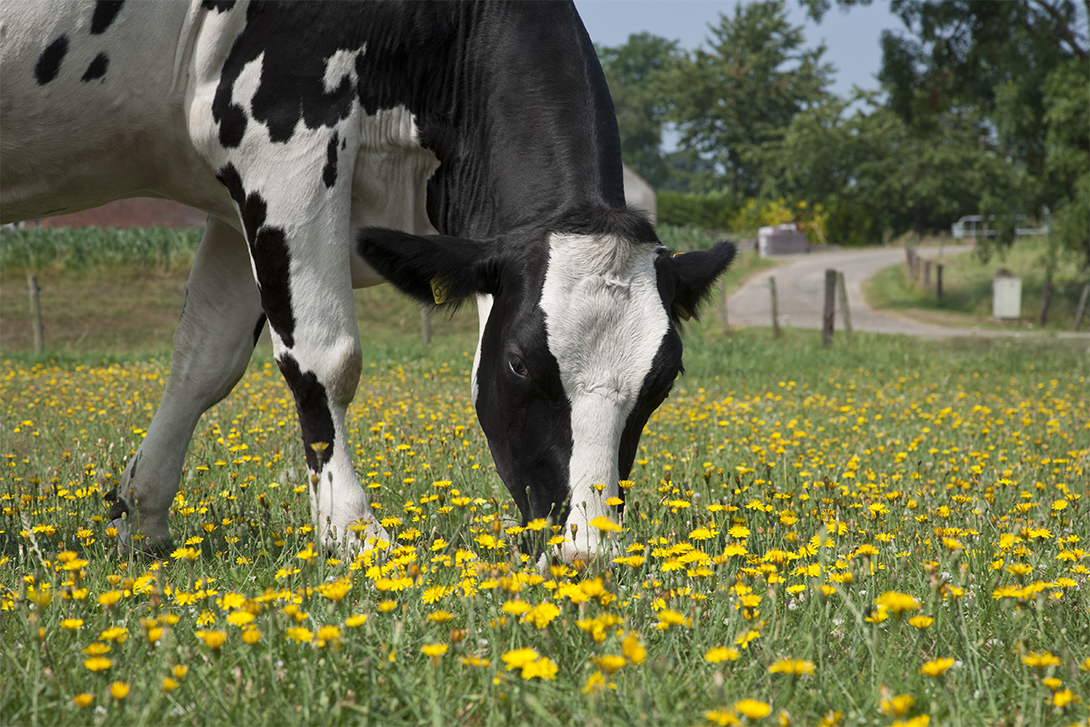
800 287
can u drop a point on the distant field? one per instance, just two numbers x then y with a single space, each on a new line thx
121 291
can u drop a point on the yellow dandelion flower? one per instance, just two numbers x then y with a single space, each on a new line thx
98 664
595 683
604 524
355 620
212 639
251 635
542 615
1064 697
609 663
921 622
1040 659
519 657
719 654
84 699
240 618
897 603
753 708
72 624
300 634
722 718
794 667
170 684
543 668
119 690
440 616
433 650
897 706
936 667
633 650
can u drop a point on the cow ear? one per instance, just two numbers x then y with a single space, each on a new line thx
696 274
433 269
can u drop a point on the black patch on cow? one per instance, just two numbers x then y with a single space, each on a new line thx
49 62
220 6
97 68
329 172
269 251
105 13
259 327
312 404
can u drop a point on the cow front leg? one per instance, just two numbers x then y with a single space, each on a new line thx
303 272
215 338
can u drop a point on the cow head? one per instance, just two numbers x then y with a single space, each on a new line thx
578 346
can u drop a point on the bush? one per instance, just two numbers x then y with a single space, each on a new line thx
709 211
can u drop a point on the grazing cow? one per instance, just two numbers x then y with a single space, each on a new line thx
455 149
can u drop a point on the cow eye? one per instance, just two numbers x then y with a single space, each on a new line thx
518 366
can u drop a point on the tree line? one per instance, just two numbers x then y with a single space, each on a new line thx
984 109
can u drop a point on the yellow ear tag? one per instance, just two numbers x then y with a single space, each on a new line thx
681 313
439 291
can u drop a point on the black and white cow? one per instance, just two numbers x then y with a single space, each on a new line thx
455 149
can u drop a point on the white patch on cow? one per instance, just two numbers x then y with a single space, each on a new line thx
340 64
484 307
605 323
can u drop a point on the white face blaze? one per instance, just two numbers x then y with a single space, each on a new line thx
605 323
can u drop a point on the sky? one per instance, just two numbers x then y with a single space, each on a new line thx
851 38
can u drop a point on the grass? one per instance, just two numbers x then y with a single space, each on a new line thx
967 290
891 531
88 302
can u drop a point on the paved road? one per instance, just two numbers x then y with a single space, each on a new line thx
800 288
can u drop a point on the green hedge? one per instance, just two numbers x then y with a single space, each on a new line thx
709 211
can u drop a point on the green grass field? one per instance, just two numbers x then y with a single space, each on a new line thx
887 532
967 290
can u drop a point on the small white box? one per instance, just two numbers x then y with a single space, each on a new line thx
1006 298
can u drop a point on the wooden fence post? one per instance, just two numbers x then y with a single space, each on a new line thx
1081 310
723 305
425 325
844 312
926 274
775 307
938 281
830 309
36 313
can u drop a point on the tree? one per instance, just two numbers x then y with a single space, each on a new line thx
733 99
1021 67
634 72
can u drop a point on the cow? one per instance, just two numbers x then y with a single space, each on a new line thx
459 150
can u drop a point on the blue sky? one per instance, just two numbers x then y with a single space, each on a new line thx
851 38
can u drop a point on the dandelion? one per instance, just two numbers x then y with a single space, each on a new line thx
633 651
897 706
543 668
753 709
518 658
434 651
356 620
720 654
668 618
921 622
98 663
251 635
299 634
119 690
897 603
722 718
1064 697
542 615
84 699
212 639
794 667
595 683
1040 660
240 618
609 663
72 624
936 667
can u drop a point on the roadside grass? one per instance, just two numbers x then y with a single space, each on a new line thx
967 290
891 532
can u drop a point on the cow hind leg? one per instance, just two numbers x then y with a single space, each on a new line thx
215 338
